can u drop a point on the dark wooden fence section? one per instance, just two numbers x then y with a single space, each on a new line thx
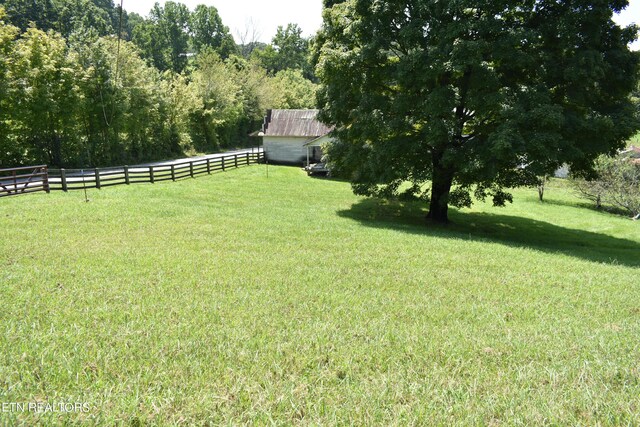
78 179
29 179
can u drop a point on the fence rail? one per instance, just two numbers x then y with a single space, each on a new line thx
24 180
78 179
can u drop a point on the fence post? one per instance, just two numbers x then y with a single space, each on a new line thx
126 175
191 169
173 172
96 173
235 159
45 179
15 183
247 159
63 179
222 163
151 177
208 166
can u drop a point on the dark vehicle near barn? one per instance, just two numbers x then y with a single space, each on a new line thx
317 169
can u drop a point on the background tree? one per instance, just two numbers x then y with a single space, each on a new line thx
473 96
100 106
288 50
293 91
218 105
21 13
164 37
130 21
292 48
151 45
10 152
63 16
266 56
617 183
127 111
207 30
85 14
249 39
46 97
257 94
173 21
635 97
330 3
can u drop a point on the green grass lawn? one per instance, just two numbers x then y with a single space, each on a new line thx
238 298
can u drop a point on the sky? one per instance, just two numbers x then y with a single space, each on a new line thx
631 15
263 15
266 15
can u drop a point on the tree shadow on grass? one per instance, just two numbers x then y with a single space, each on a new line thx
409 217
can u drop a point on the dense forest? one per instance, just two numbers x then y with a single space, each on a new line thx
83 83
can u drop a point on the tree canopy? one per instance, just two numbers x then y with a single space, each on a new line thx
63 16
472 97
208 31
288 51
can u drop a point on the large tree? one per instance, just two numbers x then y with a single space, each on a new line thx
472 96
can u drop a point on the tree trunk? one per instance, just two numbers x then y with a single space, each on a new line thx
56 150
440 188
541 184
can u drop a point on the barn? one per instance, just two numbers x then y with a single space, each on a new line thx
293 136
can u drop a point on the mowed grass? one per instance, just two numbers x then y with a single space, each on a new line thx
238 298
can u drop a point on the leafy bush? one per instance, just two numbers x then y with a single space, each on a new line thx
617 184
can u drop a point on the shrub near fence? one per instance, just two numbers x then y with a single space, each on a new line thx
78 179
29 179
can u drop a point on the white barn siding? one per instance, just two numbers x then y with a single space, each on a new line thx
283 149
318 142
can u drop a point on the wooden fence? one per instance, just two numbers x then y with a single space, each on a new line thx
29 179
78 179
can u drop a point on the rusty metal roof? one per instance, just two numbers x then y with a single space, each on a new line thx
301 123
